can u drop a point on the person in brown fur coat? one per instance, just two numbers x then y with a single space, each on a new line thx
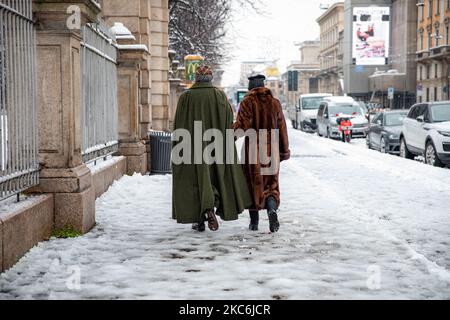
260 111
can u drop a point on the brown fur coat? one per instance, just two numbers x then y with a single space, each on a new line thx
260 110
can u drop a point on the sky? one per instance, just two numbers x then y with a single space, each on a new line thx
254 36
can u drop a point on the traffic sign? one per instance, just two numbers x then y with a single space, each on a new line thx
420 89
391 92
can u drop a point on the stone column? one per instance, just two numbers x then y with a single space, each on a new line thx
145 89
173 100
131 57
136 15
59 112
159 26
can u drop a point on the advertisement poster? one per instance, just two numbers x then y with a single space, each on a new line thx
191 63
371 35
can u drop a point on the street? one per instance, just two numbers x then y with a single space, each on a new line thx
355 224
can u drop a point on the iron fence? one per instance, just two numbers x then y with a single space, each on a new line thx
18 118
99 92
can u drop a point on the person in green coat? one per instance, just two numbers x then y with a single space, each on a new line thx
203 188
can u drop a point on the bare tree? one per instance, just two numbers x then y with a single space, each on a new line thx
198 26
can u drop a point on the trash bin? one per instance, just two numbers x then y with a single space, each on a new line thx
160 151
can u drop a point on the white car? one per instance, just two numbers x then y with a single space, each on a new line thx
426 132
331 107
304 115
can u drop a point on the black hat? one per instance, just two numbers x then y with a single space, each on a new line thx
256 82
257 77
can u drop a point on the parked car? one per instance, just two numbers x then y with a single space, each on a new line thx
304 115
426 131
384 131
332 106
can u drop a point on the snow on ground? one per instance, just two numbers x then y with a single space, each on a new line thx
356 224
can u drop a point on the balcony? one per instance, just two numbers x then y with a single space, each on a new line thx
440 52
422 55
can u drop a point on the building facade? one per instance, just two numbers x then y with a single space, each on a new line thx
99 84
394 32
274 84
433 50
248 67
402 60
308 68
331 25
356 77
149 23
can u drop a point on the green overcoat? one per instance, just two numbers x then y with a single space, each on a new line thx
198 186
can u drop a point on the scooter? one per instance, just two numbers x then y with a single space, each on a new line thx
345 126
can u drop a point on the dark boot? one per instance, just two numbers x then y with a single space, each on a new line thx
254 220
213 223
272 211
199 226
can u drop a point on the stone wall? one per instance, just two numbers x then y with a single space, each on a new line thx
148 22
159 27
23 226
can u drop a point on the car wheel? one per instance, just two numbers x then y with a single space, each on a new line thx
404 152
383 146
431 157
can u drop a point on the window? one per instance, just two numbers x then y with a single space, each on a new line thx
436 70
430 8
429 41
413 112
447 29
437 35
440 113
438 7
426 115
422 110
428 72
428 94
417 111
421 40
435 94
394 119
421 73
321 109
376 118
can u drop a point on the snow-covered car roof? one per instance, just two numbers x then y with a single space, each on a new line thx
340 100
313 95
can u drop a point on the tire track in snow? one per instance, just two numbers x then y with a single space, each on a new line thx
369 218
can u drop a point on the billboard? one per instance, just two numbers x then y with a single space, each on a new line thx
371 35
191 63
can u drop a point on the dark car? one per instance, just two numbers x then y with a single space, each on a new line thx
384 131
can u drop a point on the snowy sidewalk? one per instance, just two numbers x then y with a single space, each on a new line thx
355 224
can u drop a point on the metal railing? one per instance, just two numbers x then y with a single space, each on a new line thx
18 117
99 93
